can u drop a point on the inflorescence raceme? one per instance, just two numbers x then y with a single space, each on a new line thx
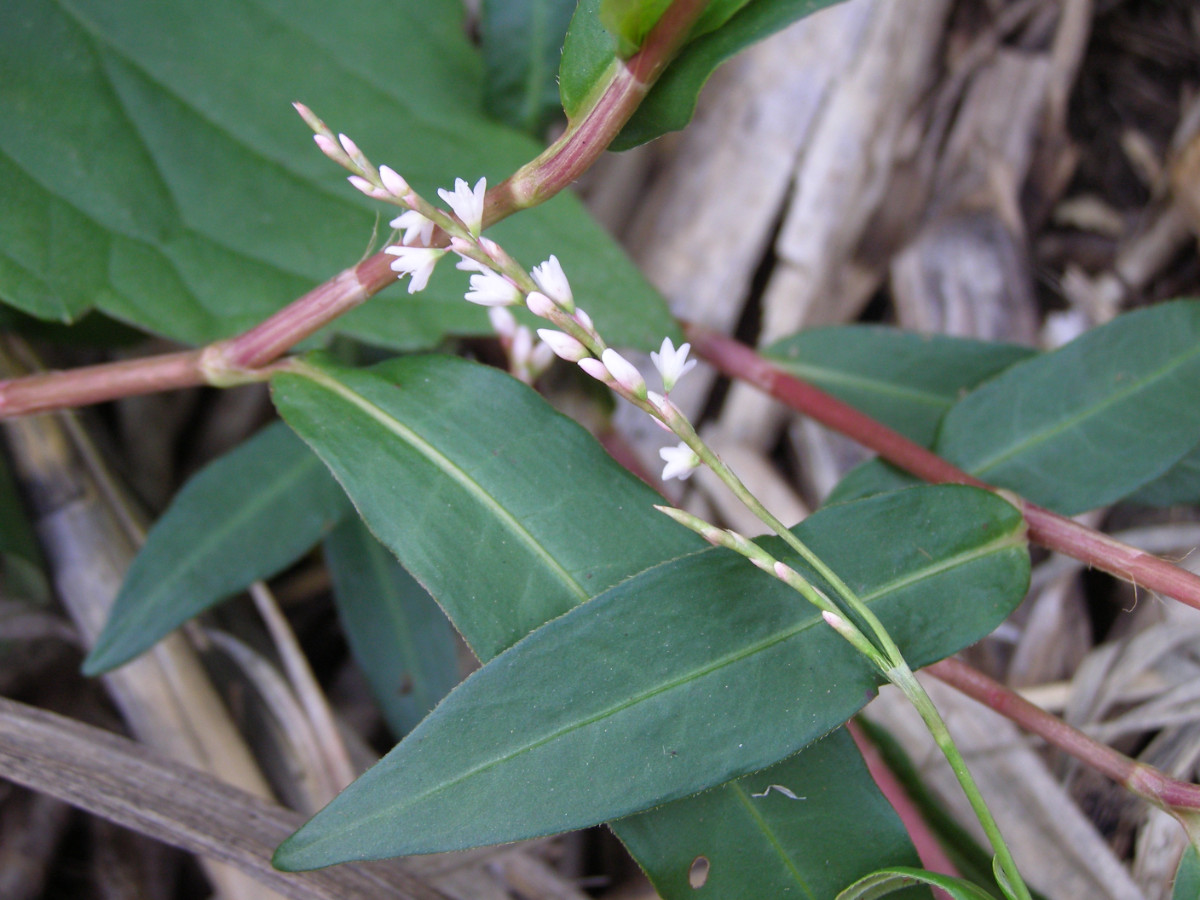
498 282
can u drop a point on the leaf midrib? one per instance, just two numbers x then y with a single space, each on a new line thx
1108 402
446 465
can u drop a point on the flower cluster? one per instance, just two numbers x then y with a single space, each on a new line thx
498 282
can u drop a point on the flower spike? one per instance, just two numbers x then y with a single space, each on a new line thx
467 203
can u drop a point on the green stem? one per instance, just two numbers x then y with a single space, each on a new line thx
903 678
883 651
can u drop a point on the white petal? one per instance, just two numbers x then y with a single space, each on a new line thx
539 304
466 203
391 179
492 289
417 228
680 461
672 364
549 276
563 345
503 322
625 372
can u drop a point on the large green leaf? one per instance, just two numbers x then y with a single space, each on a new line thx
614 516
399 636
726 27
152 167
699 670
832 828
903 379
522 43
246 516
1091 422
474 482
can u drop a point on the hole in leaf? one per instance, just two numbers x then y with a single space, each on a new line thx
698 873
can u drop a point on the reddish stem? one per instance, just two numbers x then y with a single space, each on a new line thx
1143 780
534 183
94 384
1045 527
585 140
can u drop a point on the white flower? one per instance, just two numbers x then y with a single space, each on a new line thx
539 304
549 276
624 372
563 345
680 461
391 179
371 190
503 322
416 227
493 289
596 369
672 364
467 203
415 261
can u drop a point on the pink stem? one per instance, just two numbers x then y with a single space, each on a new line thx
534 183
1045 527
1143 780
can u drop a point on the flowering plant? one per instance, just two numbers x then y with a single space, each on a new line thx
642 665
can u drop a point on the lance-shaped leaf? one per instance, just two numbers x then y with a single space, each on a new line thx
399 485
806 827
906 380
697 671
399 636
474 481
1091 422
246 516
152 166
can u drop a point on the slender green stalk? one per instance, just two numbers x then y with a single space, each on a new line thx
882 651
903 678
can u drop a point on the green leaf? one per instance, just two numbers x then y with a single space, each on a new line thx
903 379
1179 484
609 495
22 568
244 517
398 635
889 881
522 44
152 167
875 476
1091 422
726 27
629 21
697 671
1187 876
837 831
477 509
